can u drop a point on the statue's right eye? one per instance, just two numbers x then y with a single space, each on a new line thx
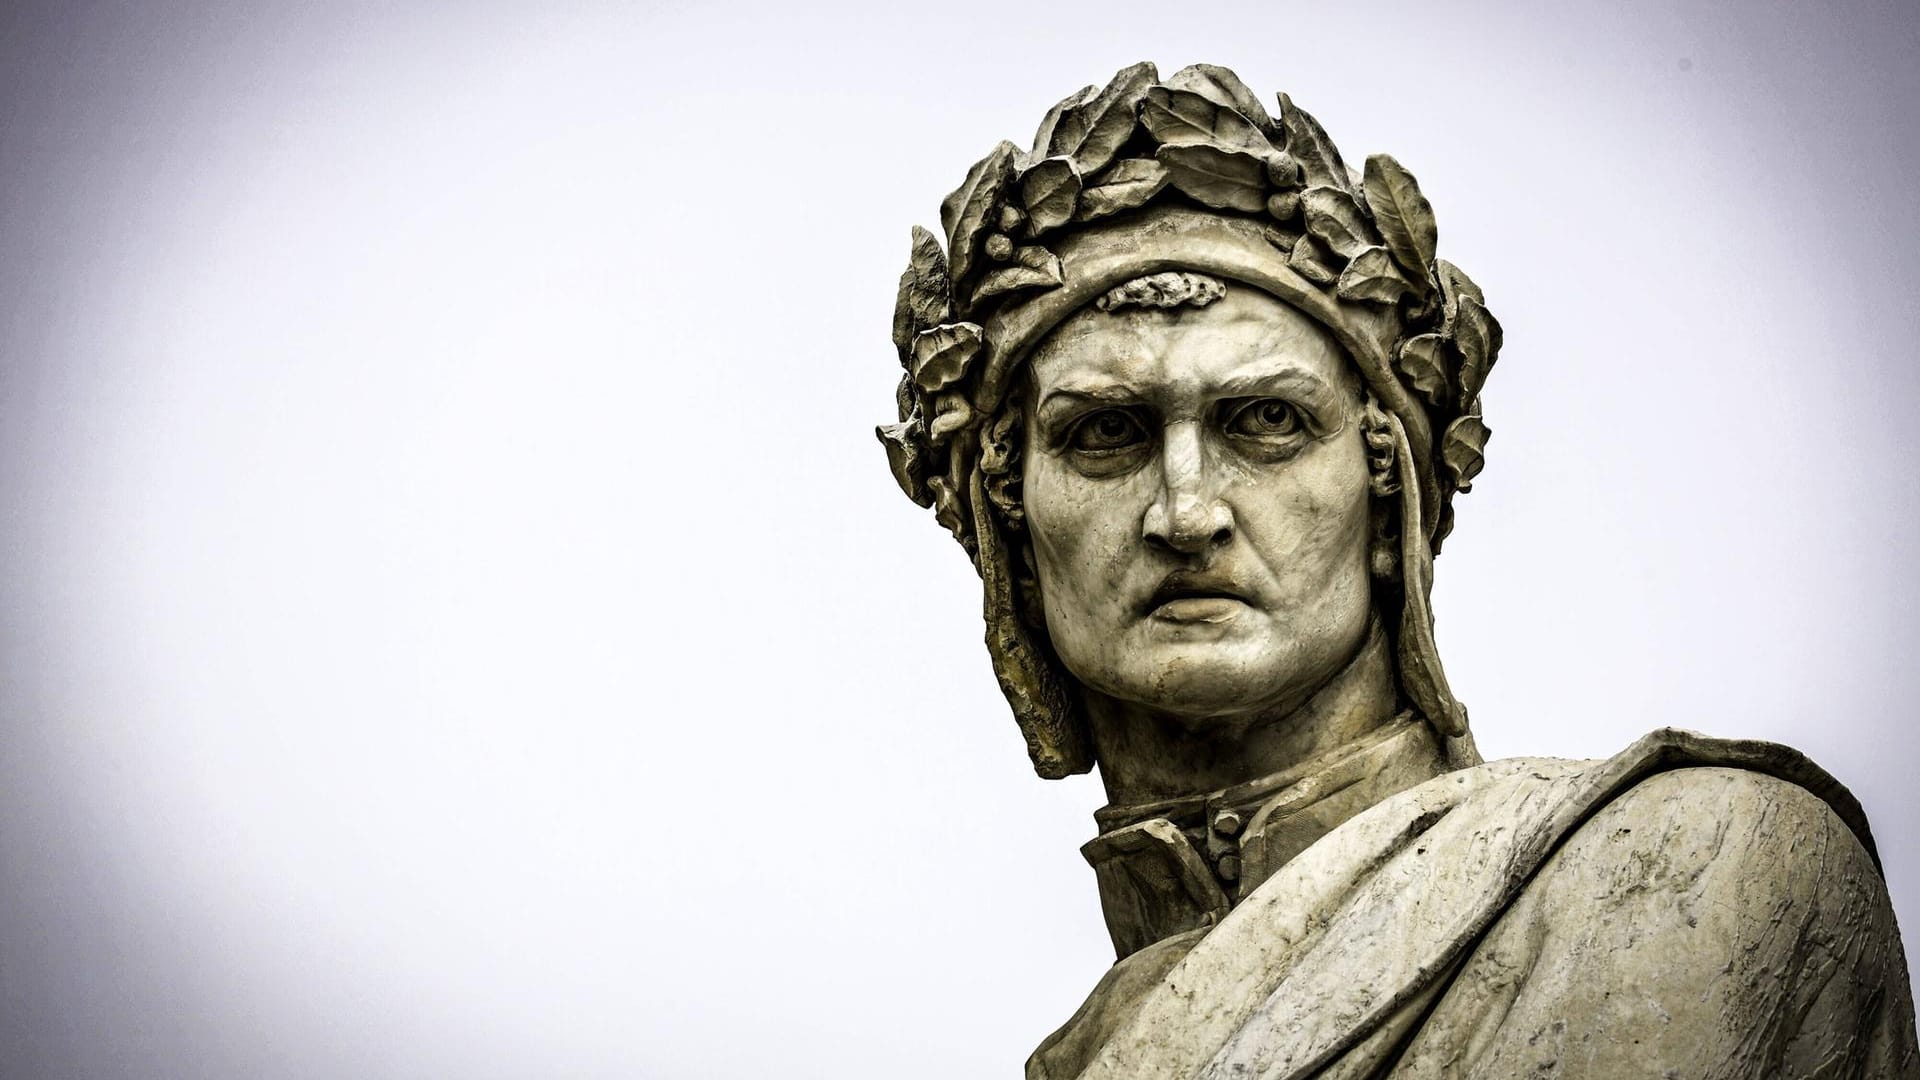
1106 431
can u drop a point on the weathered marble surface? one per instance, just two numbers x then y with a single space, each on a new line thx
1688 908
1196 398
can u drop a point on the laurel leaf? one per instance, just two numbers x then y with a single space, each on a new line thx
1309 145
1423 362
922 300
1222 179
1404 216
1184 118
1464 449
1373 277
1477 334
1454 284
1222 87
1129 183
1052 120
941 355
1050 190
1334 217
1279 237
906 459
1311 260
1031 268
965 213
1092 131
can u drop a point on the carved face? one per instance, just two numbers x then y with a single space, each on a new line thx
1196 489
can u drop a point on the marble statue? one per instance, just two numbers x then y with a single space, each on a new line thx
1196 397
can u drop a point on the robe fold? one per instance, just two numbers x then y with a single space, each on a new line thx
1690 908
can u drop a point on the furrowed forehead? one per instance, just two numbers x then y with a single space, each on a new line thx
1230 339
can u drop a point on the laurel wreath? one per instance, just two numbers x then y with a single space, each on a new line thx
1199 137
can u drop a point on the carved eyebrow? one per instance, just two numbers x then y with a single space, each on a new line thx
1290 380
1060 405
1105 393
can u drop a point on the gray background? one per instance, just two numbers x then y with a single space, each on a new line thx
456 617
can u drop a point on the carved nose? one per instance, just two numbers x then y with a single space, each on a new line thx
1187 516
1190 526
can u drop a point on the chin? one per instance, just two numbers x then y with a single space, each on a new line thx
1204 678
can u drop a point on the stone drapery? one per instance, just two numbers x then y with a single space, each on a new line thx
1689 908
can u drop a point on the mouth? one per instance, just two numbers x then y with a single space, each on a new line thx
1186 597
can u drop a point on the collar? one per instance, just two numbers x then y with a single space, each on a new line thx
1174 865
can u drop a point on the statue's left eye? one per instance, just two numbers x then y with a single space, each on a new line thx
1265 418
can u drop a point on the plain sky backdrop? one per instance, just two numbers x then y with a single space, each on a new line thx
455 619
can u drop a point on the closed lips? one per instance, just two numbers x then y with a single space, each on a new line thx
1188 586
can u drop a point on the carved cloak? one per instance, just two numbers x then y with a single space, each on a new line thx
1687 908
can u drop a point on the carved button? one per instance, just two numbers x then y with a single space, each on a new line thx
1230 867
1227 823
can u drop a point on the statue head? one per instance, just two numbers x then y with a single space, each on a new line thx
1195 397
1195 482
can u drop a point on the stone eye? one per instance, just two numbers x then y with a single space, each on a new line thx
1265 418
1106 431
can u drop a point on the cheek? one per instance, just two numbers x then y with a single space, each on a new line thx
1310 520
1081 529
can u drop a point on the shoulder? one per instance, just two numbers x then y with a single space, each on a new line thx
1723 827
1743 797
1698 914
1756 819
1702 919
1738 890
1673 798
1713 836
1735 774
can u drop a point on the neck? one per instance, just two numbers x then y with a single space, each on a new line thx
1146 754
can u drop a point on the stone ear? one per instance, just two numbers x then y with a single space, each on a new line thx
1383 481
1036 687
